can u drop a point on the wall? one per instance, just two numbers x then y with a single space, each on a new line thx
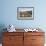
9 13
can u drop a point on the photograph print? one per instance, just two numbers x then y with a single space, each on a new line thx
25 13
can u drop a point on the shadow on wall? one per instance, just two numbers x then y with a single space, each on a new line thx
2 26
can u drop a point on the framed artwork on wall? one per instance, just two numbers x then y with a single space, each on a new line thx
25 13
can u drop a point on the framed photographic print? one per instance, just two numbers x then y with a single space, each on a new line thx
25 13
